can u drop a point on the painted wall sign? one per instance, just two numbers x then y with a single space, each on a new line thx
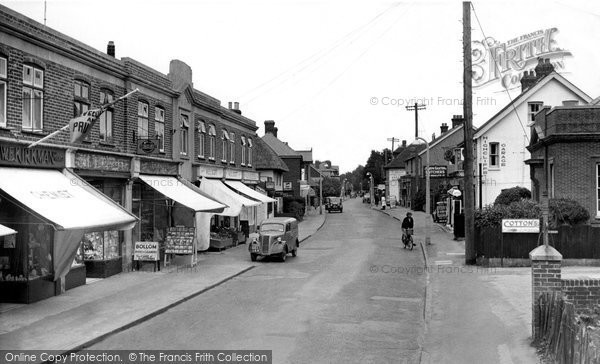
100 162
520 225
156 167
209 171
436 171
251 176
233 174
20 155
145 251
505 62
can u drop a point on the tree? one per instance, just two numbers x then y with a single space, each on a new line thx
331 187
375 167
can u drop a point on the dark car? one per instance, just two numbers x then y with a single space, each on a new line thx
334 204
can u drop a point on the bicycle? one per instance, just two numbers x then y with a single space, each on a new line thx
407 239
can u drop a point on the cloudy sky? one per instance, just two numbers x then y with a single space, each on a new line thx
335 75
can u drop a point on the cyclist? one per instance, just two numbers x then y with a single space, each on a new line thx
407 223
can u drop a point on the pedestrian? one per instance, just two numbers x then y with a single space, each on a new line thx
382 202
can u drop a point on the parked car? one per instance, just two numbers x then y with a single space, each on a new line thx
367 198
334 204
277 236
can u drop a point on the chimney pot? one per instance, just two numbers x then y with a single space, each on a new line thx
230 105
457 120
110 49
270 128
404 143
444 128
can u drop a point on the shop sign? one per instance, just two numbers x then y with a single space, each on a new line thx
147 146
270 185
180 240
233 174
287 186
102 162
145 251
155 167
520 225
210 172
251 176
22 156
436 171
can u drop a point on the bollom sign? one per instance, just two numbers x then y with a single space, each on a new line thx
520 225
145 251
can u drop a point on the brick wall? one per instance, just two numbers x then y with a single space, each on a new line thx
582 293
295 173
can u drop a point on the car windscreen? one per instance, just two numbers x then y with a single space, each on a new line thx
334 200
272 227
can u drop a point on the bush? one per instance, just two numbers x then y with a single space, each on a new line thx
510 195
419 201
293 207
565 211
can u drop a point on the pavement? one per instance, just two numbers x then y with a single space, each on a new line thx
87 314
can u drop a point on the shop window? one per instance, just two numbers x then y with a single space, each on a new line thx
142 129
243 161
106 118
159 127
201 139
494 155
224 143
232 148
184 133
212 133
3 91
33 98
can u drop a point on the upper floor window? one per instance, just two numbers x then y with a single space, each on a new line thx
533 108
201 138
106 118
243 162
212 133
184 128
224 143
494 155
232 148
249 161
142 129
3 79
33 98
597 189
159 127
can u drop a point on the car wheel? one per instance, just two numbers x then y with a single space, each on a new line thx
283 255
253 257
295 252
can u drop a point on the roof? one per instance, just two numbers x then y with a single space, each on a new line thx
280 148
306 155
410 151
443 137
281 220
524 96
266 158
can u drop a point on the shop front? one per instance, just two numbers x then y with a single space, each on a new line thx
262 210
50 209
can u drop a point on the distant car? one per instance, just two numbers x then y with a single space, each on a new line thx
367 198
334 204
277 236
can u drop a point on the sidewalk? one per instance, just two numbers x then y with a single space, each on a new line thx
473 314
86 314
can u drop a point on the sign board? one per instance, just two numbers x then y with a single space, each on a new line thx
233 174
147 146
436 171
520 225
145 250
180 240
270 185
287 186
210 172
20 155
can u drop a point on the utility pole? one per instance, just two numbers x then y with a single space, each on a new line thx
468 132
416 107
392 139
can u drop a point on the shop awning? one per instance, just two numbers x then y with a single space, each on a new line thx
5 230
222 193
64 199
242 188
183 193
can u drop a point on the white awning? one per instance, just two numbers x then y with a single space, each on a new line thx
222 193
240 187
64 199
182 192
5 230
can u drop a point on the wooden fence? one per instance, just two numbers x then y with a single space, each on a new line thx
573 242
562 337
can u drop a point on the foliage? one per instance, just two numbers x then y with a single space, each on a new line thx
419 201
294 206
510 195
331 187
375 167
566 211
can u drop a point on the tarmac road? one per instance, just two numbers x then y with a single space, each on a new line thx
351 295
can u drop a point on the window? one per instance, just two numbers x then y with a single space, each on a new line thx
494 155
142 130
159 127
185 127
597 189
106 118
533 108
243 162
212 133
249 162
3 76
33 98
232 148
551 181
224 143
201 138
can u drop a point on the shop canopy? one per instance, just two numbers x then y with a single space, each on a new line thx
4 230
64 199
220 192
183 193
242 188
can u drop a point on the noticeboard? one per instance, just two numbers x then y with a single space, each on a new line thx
145 251
180 240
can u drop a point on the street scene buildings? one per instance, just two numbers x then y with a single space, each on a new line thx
141 213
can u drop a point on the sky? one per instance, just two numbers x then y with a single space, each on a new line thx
334 75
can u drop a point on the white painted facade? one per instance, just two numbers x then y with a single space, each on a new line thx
512 136
393 179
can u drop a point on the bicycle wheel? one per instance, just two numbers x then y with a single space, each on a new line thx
411 244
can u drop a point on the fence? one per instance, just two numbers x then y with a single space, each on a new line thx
564 338
574 242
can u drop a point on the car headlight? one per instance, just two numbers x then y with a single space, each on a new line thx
279 240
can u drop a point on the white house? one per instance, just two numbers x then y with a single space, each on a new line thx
500 143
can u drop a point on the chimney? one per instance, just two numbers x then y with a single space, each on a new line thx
528 80
543 68
457 120
110 49
270 128
443 128
230 105
404 143
236 108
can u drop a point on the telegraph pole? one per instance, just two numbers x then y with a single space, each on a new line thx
392 139
468 132
416 107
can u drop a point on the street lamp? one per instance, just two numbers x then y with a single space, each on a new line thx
371 188
427 196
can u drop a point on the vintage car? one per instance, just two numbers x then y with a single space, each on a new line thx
278 236
334 204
